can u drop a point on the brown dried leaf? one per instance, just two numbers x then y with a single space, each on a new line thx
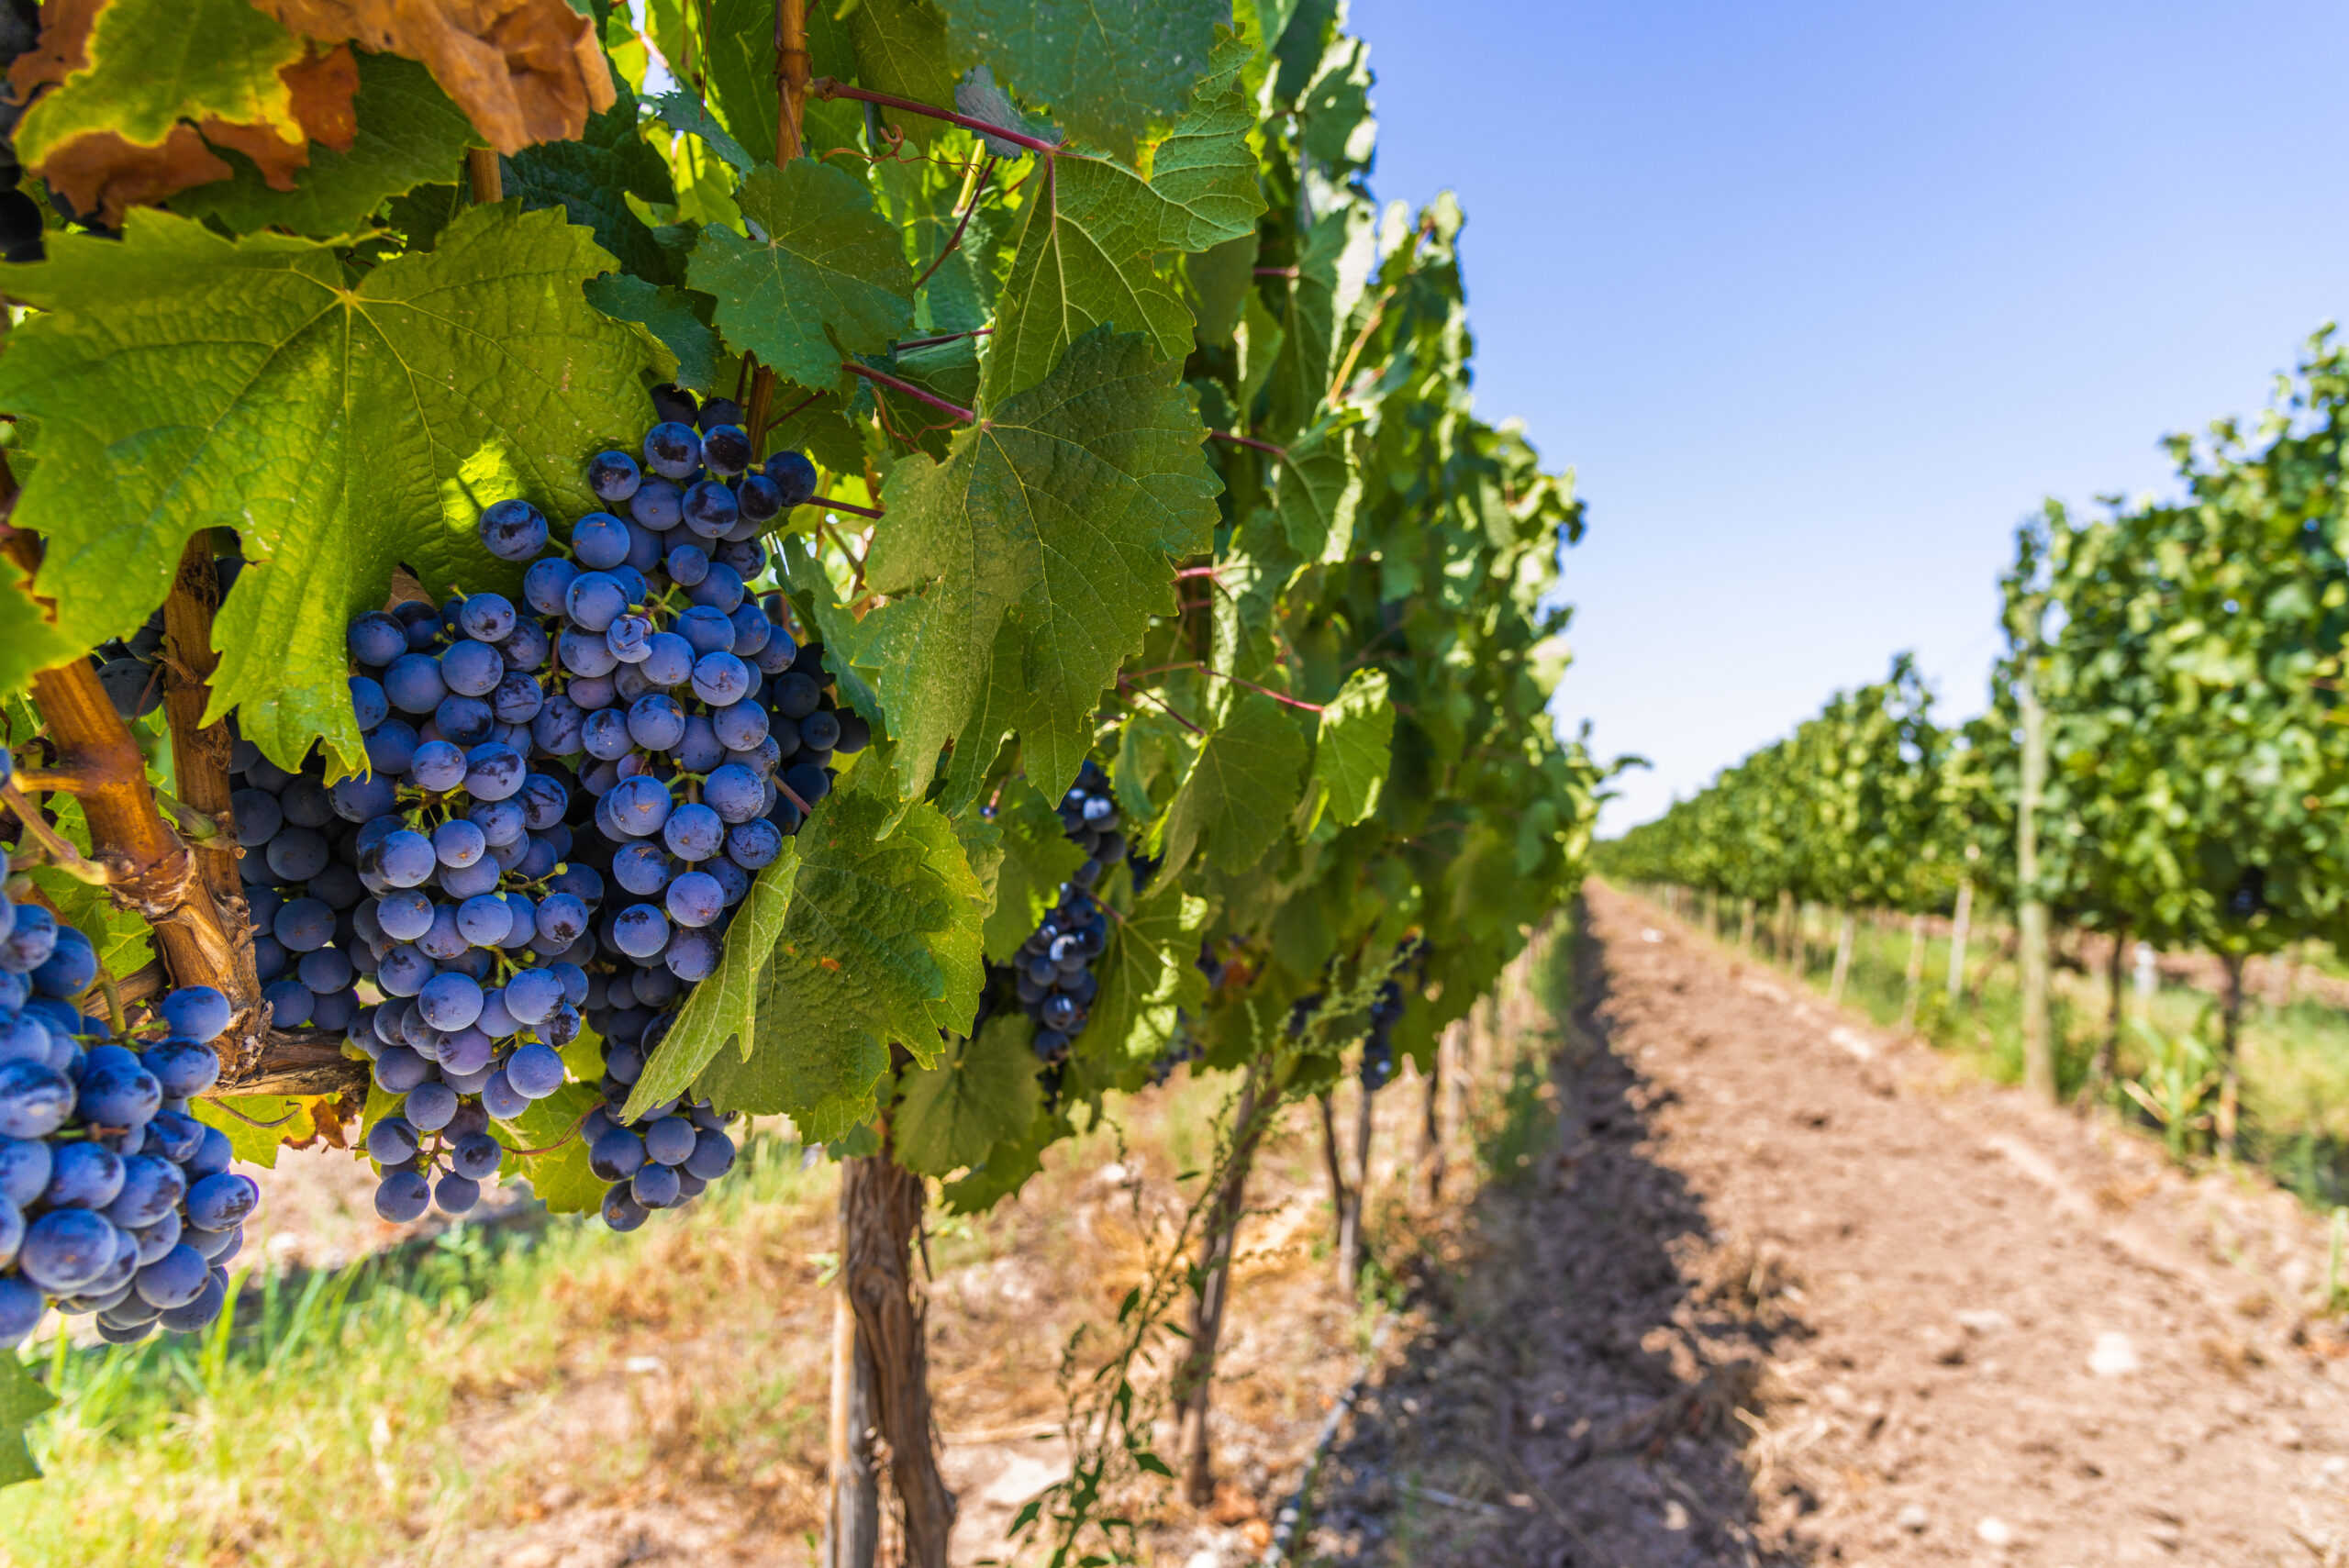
114 149
523 70
107 176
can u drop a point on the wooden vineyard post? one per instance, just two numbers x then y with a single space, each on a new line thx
1958 930
2229 1040
1431 1123
1350 1216
2100 1069
853 1517
1193 1383
2038 1052
1745 927
1334 1166
881 1208
1914 979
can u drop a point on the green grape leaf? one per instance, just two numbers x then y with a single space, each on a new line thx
951 1113
1355 746
901 49
235 1115
409 135
1107 71
29 641
1087 248
1222 278
561 1176
1148 974
1332 274
1242 784
1319 490
880 945
830 280
1250 573
1339 128
342 425
1038 856
1032 559
669 313
23 1401
680 110
591 180
1007 1165
723 1009
1203 170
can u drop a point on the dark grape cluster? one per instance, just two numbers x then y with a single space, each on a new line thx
130 668
568 799
1378 1046
113 1199
1054 970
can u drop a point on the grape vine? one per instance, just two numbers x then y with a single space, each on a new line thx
859 565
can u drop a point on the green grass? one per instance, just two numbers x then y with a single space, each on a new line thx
317 1427
2295 1059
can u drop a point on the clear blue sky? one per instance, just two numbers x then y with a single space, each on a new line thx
1820 300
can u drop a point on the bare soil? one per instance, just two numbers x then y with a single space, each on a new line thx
1786 1290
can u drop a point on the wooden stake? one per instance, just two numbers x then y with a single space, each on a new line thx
852 1523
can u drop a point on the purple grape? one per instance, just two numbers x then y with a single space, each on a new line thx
511 530
376 639
657 505
794 476
672 449
599 541
613 475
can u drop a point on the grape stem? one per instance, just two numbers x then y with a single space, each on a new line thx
249 1121
62 854
845 507
883 378
830 87
1131 692
1251 442
986 168
529 1153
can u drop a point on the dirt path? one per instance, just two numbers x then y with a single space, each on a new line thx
1785 1291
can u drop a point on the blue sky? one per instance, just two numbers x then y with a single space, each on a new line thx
1820 301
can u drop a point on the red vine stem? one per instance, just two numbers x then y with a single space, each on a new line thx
882 378
830 87
1132 692
977 190
1237 680
1277 272
1251 442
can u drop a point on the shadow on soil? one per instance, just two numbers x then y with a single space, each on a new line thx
1584 1346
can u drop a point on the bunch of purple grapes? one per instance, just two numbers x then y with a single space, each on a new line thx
113 1199
1052 972
568 800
